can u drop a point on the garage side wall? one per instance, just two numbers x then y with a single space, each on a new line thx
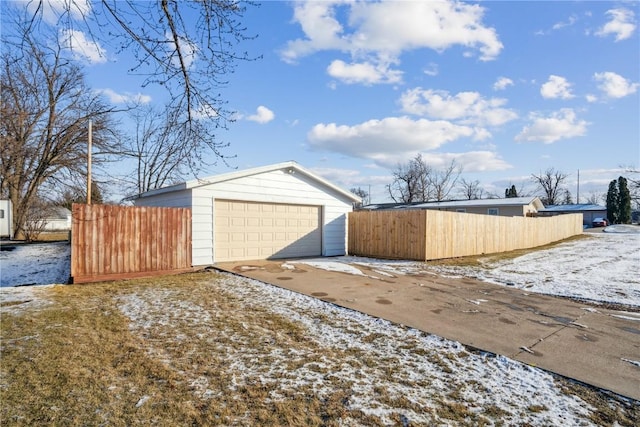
269 187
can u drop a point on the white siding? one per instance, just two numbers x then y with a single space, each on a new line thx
276 186
281 187
202 236
6 223
175 199
58 224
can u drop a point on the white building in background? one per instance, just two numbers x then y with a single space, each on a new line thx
6 219
59 219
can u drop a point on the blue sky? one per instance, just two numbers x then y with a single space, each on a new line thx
506 89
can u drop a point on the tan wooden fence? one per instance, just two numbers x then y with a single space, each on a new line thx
425 235
117 242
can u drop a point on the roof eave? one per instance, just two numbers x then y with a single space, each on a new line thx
248 172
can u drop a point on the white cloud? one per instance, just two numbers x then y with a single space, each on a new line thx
322 29
53 10
382 31
124 98
614 85
188 51
365 73
432 70
471 161
263 115
82 48
502 83
591 98
465 107
558 26
348 178
562 124
572 20
388 140
622 24
556 87
204 112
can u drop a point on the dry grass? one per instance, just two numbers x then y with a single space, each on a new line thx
479 260
77 362
183 350
49 236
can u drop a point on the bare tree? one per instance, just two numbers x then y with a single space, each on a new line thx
162 148
416 181
78 194
594 198
45 106
35 218
363 194
470 190
187 47
443 181
633 179
551 184
410 182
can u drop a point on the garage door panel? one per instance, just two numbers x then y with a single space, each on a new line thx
250 230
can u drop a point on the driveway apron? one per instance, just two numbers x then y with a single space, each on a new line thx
593 345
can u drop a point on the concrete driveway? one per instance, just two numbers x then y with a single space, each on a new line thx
596 346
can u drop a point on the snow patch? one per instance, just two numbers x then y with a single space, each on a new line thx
35 264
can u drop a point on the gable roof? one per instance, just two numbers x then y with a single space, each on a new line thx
290 167
58 212
476 203
480 203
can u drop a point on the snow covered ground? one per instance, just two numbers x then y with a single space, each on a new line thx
604 268
368 356
427 370
35 264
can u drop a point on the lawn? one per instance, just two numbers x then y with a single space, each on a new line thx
216 349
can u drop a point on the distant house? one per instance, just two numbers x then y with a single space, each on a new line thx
56 219
6 219
515 206
59 219
589 211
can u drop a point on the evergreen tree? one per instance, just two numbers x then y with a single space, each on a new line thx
612 202
624 201
78 194
511 192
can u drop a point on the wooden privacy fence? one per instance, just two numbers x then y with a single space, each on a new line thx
118 242
425 235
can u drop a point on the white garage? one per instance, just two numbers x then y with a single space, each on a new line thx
276 211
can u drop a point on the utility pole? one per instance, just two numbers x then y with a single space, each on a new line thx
89 165
578 191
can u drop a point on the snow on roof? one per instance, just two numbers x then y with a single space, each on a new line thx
290 166
59 212
574 208
512 201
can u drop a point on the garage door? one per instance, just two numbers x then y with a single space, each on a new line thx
249 230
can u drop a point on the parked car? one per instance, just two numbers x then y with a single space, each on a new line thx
599 222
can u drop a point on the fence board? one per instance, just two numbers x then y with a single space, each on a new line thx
428 234
117 242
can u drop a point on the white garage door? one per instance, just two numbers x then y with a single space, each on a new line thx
249 230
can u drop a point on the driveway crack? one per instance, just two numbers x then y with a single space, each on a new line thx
530 348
